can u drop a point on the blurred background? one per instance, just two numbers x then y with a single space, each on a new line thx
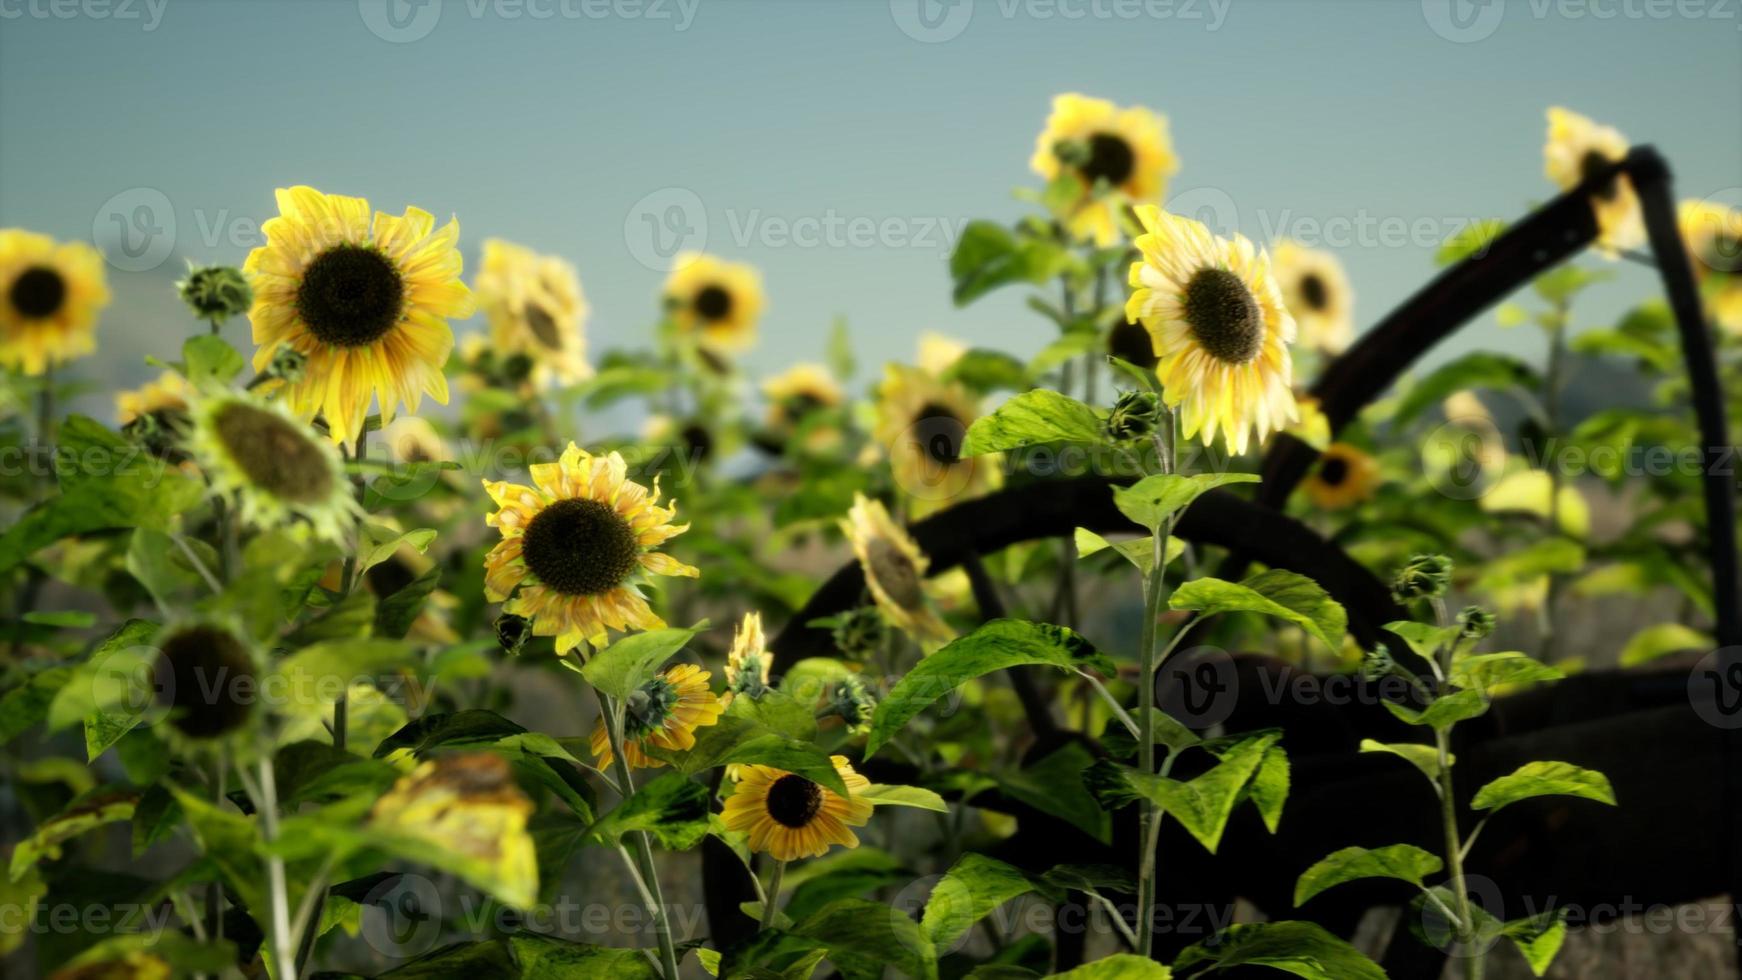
840 145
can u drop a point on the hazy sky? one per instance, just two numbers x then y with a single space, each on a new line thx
837 144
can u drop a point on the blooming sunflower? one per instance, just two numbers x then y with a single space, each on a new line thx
1575 149
921 423
894 570
168 394
1344 477
1218 325
53 292
1317 293
535 307
938 353
1713 234
665 714
273 462
789 817
1121 156
748 664
365 300
578 545
715 301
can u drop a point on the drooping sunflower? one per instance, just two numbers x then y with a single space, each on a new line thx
365 299
204 677
279 468
1575 149
1317 293
468 805
535 307
714 301
664 713
790 817
748 663
894 570
1344 477
50 295
1121 156
168 394
578 545
1221 333
921 423
1713 235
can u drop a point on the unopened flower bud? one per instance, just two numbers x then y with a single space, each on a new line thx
1422 577
1377 663
1133 416
216 292
1474 622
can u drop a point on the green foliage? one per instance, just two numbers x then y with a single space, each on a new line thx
1153 499
1033 418
1544 779
1281 594
1404 862
1300 948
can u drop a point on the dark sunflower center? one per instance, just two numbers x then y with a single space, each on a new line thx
1594 162
647 708
1313 291
350 296
276 456
1333 471
1723 253
1130 342
1110 159
38 293
204 677
580 547
713 303
939 432
895 573
793 801
1224 316
543 326
389 577
697 441
801 405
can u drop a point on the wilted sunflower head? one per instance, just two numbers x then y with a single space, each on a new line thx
169 393
922 423
714 302
894 570
1317 293
748 663
1576 149
469 805
662 713
1119 156
1344 477
205 679
50 295
535 308
1712 233
1219 328
789 817
274 463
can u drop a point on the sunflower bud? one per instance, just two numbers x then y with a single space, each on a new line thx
287 365
216 292
1133 416
854 702
1422 577
1474 622
859 633
1376 663
512 632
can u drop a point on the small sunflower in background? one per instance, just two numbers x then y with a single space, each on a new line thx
50 295
535 307
1121 156
894 570
1575 149
938 353
748 663
1219 328
1317 293
468 805
1313 427
169 394
921 423
204 677
1713 235
665 714
366 299
274 463
577 546
789 817
715 302
1344 477
794 394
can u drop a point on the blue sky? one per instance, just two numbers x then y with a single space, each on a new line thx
582 126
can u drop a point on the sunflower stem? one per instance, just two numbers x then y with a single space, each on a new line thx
1154 591
642 867
771 897
278 894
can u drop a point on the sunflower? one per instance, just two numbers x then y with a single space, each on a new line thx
1317 293
365 300
468 806
748 664
204 678
790 817
1465 456
1713 234
276 464
1219 328
535 307
894 571
1576 148
1344 477
921 423
794 394
938 353
1120 156
1313 427
53 292
714 301
578 545
169 394
665 714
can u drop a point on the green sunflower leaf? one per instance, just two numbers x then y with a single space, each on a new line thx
1301 948
1279 593
1404 862
624 666
1151 500
1033 418
1544 779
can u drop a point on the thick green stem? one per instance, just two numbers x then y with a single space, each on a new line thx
641 846
278 893
771 897
1154 590
1455 857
